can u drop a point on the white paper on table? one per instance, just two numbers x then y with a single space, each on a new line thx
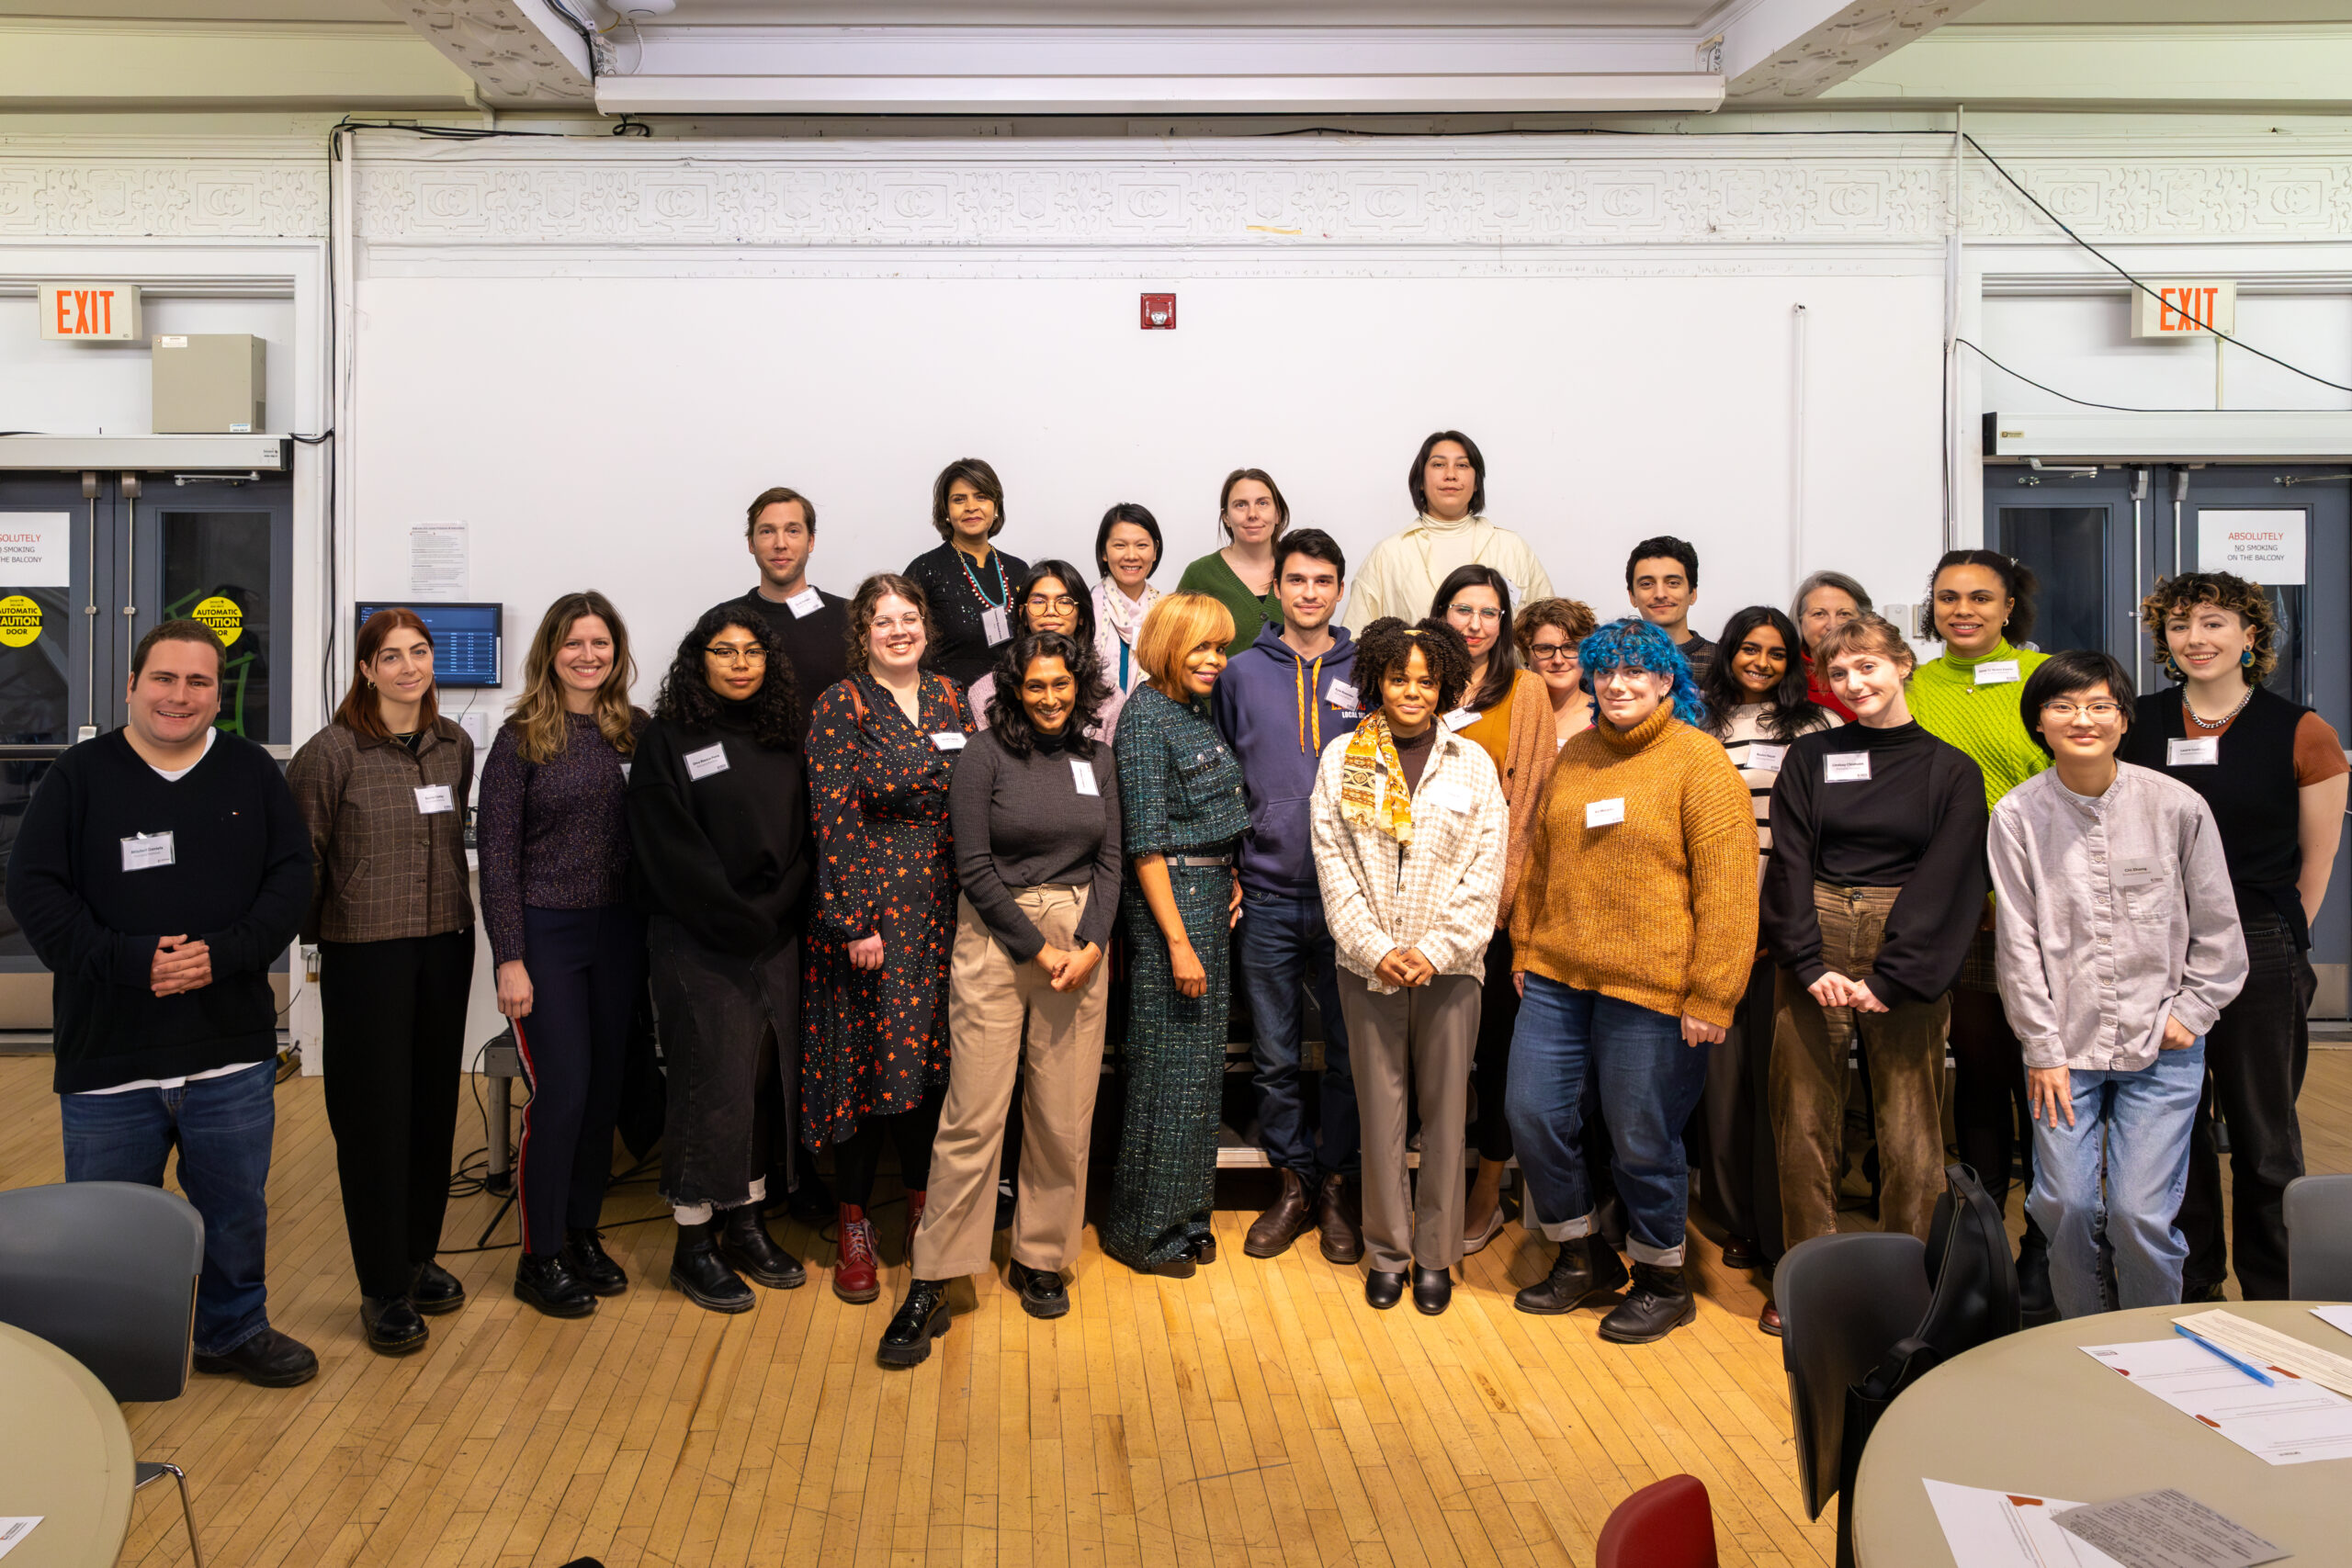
2008 1529
2168 1530
14 1528
2293 1423
2269 1349
2335 1317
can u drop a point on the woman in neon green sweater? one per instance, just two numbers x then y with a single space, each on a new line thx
1983 603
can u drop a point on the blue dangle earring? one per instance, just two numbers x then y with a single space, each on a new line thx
2246 659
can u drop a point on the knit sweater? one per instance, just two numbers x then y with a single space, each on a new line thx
1657 908
1981 720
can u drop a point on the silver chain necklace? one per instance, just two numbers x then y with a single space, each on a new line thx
2201 722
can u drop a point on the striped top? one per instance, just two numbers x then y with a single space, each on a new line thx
1758 757
1981 718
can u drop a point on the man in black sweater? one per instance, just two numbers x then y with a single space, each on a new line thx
159 871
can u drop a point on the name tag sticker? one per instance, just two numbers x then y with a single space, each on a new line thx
2137 872
145 852
1461 720
808 601
1453 798
1844 767
1081 773
434 799
949 739
711 759
994 626
625 768
1767 759
2205 753
1997 672
1341 695
1604 813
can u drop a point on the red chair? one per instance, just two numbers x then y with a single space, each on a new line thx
1668 1524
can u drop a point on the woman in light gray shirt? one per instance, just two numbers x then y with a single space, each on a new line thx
2118 945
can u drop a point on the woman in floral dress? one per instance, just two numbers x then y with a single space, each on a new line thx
882 750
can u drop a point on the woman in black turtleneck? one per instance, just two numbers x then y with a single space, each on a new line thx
719 827
1875 884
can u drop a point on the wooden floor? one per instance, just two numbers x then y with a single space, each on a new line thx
1259 1412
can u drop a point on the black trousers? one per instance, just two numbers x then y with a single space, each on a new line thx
728 1026
2255 1059
911 1133
395 1023
1741 1191
587 967
1988 1090
1490 1063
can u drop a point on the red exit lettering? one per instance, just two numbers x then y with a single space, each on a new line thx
86 312
2194 311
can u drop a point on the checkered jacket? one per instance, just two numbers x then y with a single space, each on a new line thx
384 868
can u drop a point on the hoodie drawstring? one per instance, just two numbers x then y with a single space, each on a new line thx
1310 708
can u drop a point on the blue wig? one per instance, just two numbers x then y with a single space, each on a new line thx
1634 644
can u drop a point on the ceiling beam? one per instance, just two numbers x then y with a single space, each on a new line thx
110 62
522 52
1784 51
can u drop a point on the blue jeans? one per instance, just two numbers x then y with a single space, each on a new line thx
2133 1129
1283 951
223 1128
1649 1082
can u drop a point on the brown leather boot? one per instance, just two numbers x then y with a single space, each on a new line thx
1291 1217
1343 1235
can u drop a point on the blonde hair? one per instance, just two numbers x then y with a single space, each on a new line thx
539 713
1177 624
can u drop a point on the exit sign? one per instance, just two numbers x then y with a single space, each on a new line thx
90 312
2184 309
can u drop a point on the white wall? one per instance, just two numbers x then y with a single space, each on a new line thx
87 388
607 432
2084 346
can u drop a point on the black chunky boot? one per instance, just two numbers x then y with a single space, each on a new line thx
746 1246
921 1318
707 1282
584 1252
1660 1302
1586 1266
548 1283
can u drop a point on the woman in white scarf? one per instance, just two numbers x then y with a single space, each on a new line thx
1126 551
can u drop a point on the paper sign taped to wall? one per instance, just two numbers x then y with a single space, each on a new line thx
436 560
36 549
2260 545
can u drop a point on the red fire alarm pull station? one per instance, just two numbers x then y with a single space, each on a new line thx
1159 311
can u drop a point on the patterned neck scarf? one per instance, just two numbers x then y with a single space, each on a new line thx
1363 803
1117 619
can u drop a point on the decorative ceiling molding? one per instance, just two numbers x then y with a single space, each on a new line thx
1827 53
48 198
518 51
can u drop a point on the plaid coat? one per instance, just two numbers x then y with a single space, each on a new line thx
384 868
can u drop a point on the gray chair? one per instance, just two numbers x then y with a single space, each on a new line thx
106 1271
2319 1238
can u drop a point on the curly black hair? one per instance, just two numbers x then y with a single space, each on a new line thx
1789 712
1010 719
687 700
1388 642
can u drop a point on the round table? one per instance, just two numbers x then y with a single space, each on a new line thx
2031 1413
64 1454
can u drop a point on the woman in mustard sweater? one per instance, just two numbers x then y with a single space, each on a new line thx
1630 940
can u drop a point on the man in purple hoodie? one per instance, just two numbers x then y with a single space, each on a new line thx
1279 703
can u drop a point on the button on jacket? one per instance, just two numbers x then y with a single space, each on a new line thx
2114 914
384 868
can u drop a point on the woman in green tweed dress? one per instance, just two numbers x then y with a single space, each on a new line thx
1184 810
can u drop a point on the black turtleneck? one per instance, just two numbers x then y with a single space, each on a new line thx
1917 823
726 855
1414 755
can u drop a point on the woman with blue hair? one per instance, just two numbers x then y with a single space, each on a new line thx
1631 940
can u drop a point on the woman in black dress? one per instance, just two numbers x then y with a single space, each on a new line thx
968 583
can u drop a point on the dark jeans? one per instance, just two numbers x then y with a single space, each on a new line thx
1491 1068
1741 1191
857 1157
223 1128
1282 951
1649 1083
586 968
728 1025
395 1026
2255 1054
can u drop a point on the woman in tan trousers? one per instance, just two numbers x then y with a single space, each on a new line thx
1034 812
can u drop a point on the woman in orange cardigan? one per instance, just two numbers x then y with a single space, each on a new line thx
1506 713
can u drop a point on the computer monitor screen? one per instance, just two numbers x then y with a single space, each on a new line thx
466 639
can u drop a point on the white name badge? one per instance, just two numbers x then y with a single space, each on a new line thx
808 601
1342 695
711 759
949 739
1081 773
994 626
625 768
1846 767
434 799
1604 813
2138 871
1461 720
2204 752
1453 798
1767 759
145 852
1997 672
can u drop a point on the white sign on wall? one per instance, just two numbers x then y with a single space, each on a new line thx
2260 545
2185 308
36 549
437 560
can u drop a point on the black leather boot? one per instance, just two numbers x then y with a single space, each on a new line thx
1660 1302
269 1359
921 1318
1042 1294
1432 1290
433 1290
393 1328
746 1246
548 1284
2035 1304
585 1253
1586 1266
1383 1289
695 1268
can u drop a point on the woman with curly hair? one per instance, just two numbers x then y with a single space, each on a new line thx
718 821
1632 940
1410 829
2273 772
882 752
1548 631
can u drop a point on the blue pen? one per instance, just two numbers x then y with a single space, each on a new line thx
2248 1367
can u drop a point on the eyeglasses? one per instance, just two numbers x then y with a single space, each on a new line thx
725 655
1057 602
1545 652
2098 712
1475 612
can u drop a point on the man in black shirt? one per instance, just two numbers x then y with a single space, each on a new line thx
160 869
1662 581
780 526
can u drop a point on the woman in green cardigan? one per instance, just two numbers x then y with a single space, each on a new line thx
1240 576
